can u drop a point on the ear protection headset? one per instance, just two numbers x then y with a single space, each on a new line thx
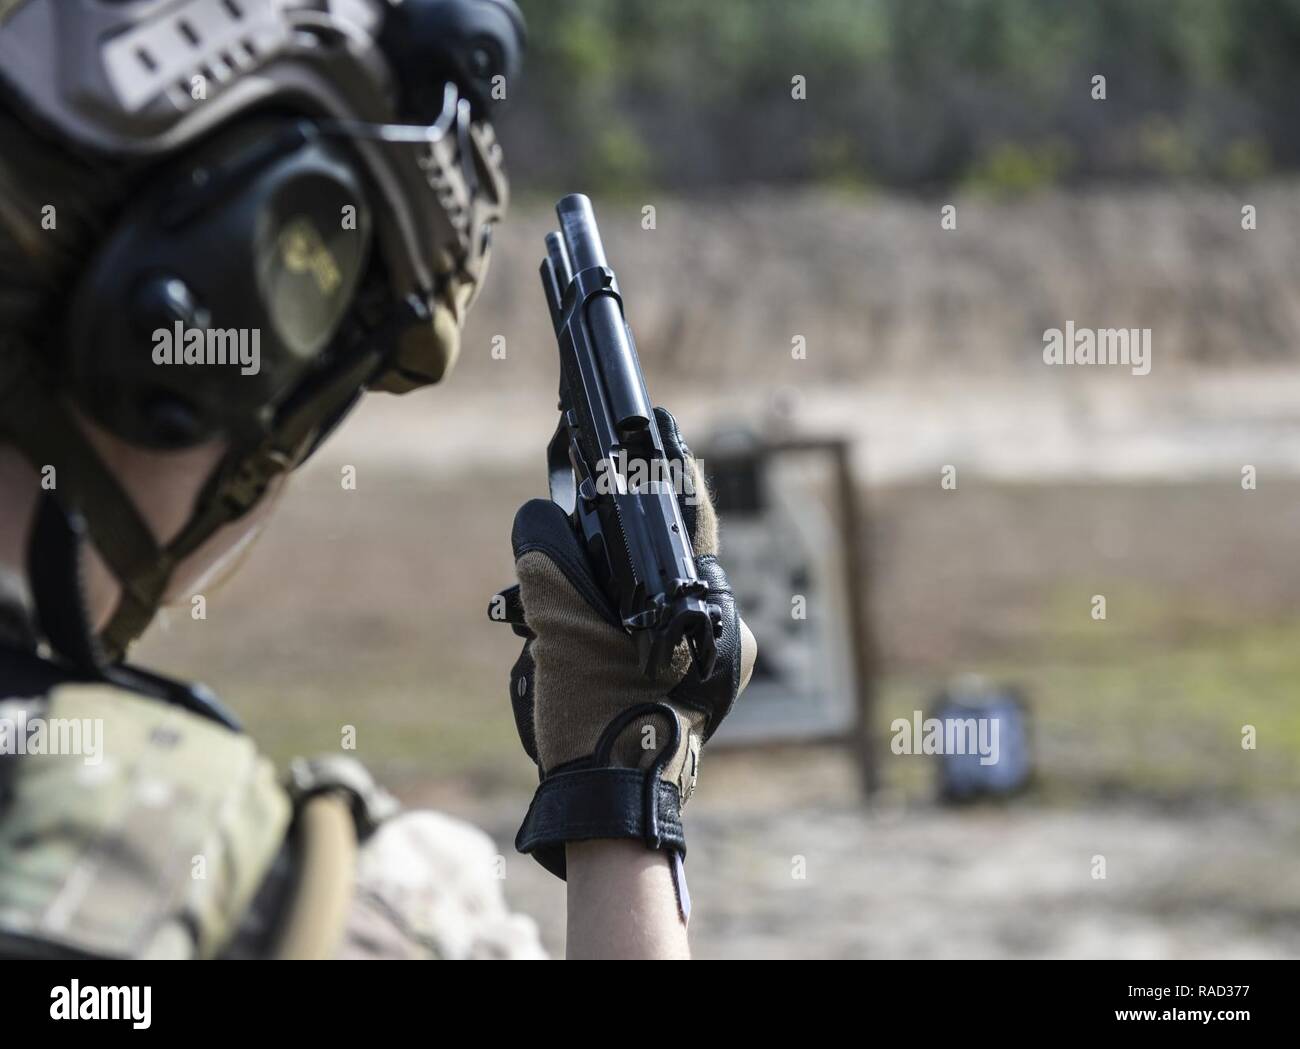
313 226
220 289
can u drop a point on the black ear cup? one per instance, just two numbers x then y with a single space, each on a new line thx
470 42
219 291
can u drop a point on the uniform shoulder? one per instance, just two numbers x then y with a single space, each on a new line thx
130 827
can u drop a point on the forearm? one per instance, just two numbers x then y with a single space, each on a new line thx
622 903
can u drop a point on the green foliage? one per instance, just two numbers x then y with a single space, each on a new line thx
619 94
1017 167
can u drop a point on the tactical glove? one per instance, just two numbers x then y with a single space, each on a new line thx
618 752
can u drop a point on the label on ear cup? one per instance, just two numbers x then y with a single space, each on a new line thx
303 250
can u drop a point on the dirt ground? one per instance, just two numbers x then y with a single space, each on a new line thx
910 879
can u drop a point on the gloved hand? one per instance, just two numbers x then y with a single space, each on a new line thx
618 753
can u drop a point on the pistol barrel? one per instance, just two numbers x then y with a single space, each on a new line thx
635 533
581 235
559 257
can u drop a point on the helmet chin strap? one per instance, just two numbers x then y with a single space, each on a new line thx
55 572
55 568
42 427
92 504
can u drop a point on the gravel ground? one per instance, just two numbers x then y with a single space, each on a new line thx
1016 883
906 878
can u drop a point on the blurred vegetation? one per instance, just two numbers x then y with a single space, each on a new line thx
625 94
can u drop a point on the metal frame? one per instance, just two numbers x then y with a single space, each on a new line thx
850 511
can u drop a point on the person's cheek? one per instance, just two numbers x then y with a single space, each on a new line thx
213 563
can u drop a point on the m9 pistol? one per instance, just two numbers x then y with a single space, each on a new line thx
607 464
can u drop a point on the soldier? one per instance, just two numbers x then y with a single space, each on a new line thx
221 223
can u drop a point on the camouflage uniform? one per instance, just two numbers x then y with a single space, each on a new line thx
180 842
